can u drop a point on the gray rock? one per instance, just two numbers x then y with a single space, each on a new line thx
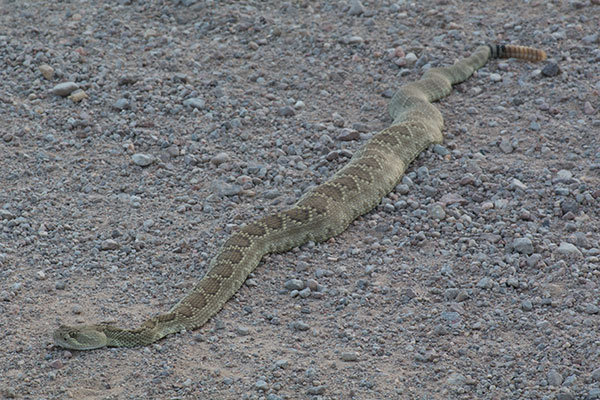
226 189
462 296
272 194
294 284
550 70
242 331
591 308
109 244
402 188
423 173
356 8
348 134
569 205
436 211
194 102
564 176
261 385
410 58
589 39
596 375
122 104
526 305
143 160
441 150
352 40
220 158
456 379
300 326
286 111
517 184
388 93
506 146
64 89
451 293
512 281
554 378
533 259
317 390
349 356
283 363
535 126
495 77
5 214
485 283
523 246
568 249
565 396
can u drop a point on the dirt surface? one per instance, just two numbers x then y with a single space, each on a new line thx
476 278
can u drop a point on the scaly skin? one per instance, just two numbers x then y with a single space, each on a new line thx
319 215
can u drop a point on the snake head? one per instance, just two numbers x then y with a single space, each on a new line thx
80 337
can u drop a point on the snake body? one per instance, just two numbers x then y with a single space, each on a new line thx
324 212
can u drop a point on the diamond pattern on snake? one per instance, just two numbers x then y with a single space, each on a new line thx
324 212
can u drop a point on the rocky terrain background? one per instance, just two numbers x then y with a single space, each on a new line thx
136 135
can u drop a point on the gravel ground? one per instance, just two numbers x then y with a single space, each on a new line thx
135 135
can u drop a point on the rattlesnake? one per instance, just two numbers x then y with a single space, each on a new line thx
320 214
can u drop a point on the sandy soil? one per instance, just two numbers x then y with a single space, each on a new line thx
476 278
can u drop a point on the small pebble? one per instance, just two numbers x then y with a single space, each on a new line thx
220 158
317 390
523 246
109 244
121 104
294 284
485 283
242 331
554 378
300 326
64 89
356 8
506 146
47 71
78 95
194 102
261 385
437 212
349 356
550 70
143 160
568 249
286 111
